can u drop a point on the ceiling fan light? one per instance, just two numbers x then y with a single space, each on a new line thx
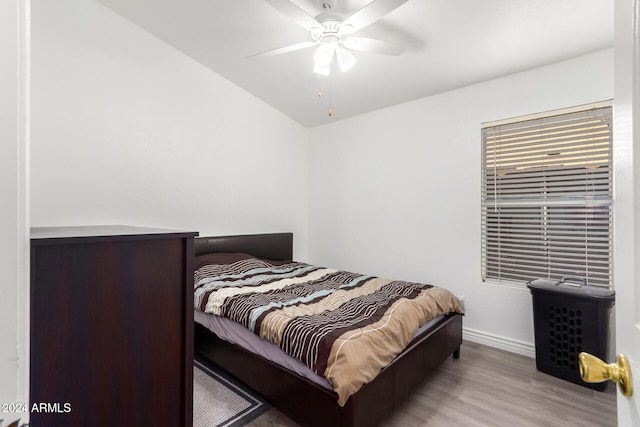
322 70
324 54
346 60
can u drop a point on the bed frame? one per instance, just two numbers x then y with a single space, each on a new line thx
300 399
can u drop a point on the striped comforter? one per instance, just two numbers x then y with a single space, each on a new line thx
344 326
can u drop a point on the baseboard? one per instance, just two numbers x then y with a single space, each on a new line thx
511 345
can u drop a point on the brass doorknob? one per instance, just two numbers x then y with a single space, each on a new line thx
594 370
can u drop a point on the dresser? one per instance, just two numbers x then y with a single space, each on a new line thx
111 327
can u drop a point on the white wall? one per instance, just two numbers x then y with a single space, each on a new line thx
14 360
128 130
397 192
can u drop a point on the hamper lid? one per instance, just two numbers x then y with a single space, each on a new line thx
571 286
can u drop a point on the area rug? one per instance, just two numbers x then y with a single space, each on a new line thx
221 400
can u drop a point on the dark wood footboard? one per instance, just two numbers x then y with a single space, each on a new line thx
311 405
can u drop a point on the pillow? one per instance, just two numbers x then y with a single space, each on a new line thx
219 258
223 258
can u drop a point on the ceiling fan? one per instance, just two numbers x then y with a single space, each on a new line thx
333 35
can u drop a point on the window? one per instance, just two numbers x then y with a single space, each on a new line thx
546 197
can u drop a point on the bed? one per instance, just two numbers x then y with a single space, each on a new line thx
304 398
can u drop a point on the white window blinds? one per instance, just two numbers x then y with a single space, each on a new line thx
546 197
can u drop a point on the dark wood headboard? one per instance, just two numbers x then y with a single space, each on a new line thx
276 246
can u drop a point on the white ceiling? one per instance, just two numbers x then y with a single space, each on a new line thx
449 44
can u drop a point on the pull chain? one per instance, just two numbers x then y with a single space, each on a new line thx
329 112
319 95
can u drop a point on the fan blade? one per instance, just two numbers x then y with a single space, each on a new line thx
285 49
365 44
298 15
369 14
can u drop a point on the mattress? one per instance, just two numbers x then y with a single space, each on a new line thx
235 333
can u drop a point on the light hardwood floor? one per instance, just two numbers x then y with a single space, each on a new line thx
491 387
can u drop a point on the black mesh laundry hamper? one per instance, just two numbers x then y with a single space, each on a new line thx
570 317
